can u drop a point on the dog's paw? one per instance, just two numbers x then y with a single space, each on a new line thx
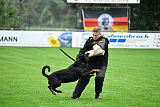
95 70
58 91
51 89
91 75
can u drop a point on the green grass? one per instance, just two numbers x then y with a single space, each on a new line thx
132 79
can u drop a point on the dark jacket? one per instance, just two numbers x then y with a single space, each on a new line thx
96 61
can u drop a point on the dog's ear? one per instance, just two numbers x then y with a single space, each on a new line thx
81 55
83 58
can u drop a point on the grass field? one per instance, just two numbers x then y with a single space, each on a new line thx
132 79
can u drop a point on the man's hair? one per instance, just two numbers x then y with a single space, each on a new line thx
97 29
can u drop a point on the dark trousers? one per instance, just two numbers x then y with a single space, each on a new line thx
83 82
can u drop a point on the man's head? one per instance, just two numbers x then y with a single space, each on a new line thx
96 33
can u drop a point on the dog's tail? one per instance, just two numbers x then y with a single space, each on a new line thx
43 70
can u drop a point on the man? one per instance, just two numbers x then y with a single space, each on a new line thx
95 62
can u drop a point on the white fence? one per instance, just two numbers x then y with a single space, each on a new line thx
77 39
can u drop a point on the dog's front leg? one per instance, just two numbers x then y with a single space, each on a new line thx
52 90
94 71
91 73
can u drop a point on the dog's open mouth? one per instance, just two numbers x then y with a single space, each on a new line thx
52 90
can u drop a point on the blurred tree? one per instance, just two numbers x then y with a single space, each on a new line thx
8 14
48 13
146 15
46 17
60 14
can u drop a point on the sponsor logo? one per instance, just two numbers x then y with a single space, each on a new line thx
118 40
65 39
96 42
143 36
8 39
130 38
54 42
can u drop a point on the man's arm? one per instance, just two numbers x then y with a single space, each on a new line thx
87 46
106 51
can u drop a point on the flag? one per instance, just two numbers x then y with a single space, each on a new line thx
113 19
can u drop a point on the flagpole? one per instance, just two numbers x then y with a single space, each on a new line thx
83 19
128 18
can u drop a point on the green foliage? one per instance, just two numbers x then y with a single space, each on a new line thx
8 14
132 79
46 17
146 15
48 13
59 14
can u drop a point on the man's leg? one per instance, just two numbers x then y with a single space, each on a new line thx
98 86
99 82
82 83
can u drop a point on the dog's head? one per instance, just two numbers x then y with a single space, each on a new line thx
82 58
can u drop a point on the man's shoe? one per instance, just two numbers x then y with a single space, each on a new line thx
97 96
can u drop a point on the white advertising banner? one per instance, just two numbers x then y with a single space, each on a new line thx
122 40
35 38
105 1
77 39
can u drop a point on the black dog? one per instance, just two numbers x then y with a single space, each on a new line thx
70 74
